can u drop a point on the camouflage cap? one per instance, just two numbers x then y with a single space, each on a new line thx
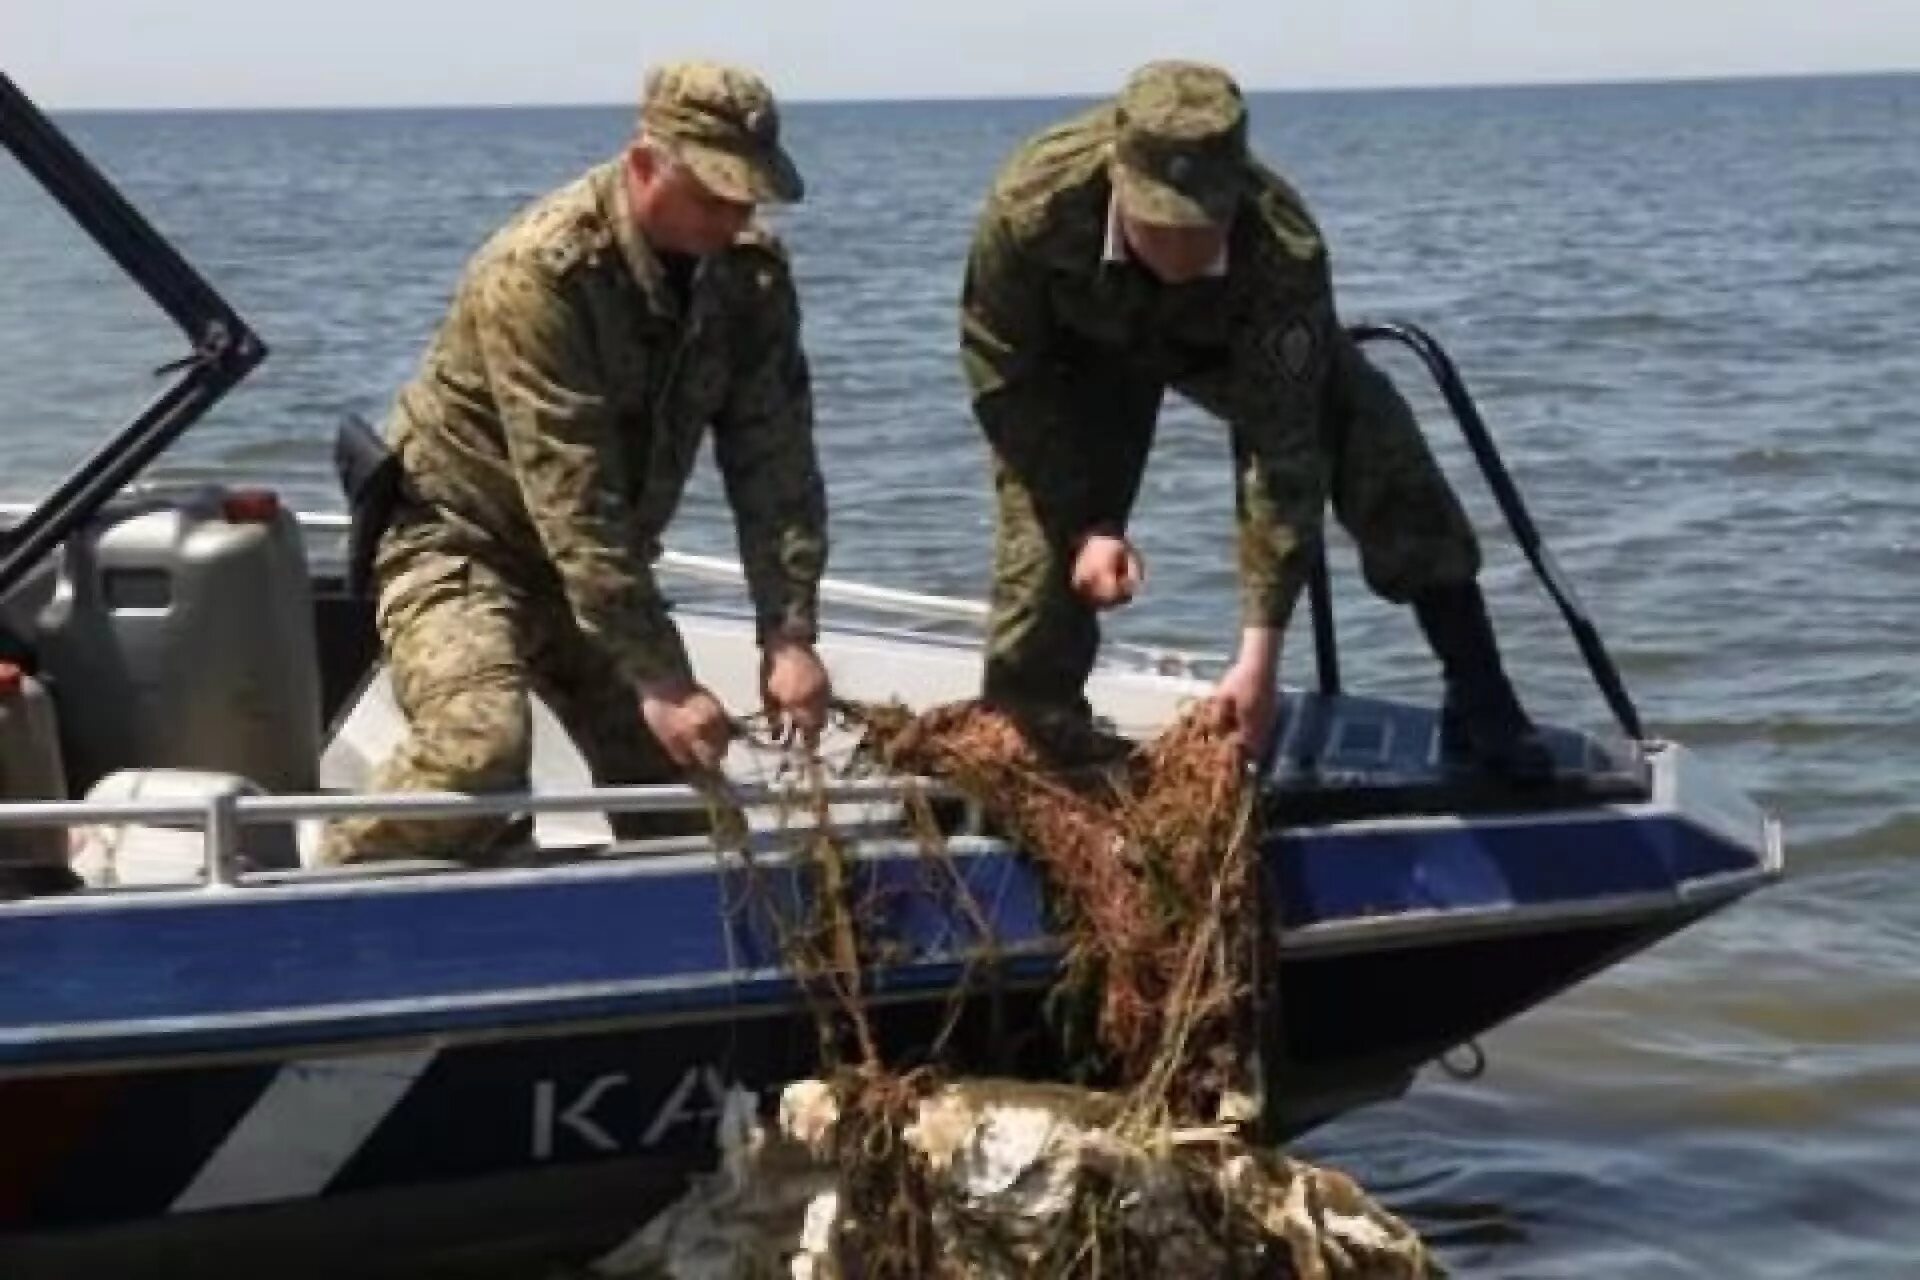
721 122
1180 157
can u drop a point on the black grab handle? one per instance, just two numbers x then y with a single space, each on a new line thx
1480 440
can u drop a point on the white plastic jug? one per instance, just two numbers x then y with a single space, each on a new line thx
180 635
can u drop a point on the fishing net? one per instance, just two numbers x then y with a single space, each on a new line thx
1148 860
1148 855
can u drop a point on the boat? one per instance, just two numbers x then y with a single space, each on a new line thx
253 1065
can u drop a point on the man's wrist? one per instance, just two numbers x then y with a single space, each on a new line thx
671 688
1259 647
1099 529
786 632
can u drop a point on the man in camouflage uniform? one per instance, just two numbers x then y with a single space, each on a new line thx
545 442
1139 247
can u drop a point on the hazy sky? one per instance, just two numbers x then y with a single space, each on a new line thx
85 53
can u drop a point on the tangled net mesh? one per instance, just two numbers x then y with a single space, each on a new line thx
1148 854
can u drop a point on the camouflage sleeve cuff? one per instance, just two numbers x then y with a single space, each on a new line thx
655 653
1276 550
1270 603
794 626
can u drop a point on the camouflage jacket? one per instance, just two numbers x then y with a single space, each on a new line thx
557 414
1049 298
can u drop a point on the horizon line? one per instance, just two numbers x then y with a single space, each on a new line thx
1437 86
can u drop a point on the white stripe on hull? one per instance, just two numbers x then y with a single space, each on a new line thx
303 1129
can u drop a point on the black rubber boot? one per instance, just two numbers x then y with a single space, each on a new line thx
1481 721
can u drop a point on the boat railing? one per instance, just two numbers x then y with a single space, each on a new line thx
222 817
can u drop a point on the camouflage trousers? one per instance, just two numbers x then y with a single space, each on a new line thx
1382 480
463 651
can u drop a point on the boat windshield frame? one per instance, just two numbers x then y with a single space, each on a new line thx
221 349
